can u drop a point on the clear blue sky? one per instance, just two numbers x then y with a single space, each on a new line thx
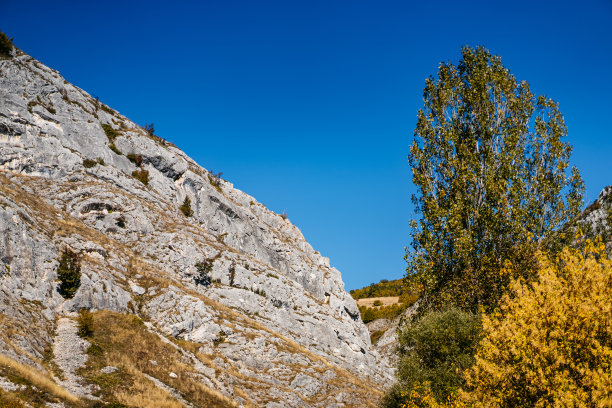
310 105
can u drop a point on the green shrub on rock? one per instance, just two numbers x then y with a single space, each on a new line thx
204 268
6 45
88 163
69 274
142 176
135 158
435 350
110 132
186 207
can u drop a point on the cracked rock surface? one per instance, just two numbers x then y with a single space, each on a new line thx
235 280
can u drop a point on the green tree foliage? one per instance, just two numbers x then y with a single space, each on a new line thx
490 165
550 344
69 274
204 269
6 45
434 352
186 207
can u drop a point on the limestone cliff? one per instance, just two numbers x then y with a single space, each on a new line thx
256 315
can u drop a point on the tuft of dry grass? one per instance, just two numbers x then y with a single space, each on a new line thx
383 301
142 391
9 400
38 378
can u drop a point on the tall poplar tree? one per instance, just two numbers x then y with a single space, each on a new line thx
491 169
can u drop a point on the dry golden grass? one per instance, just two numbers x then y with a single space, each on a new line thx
125 342
38 378
10 400
142 391
384 301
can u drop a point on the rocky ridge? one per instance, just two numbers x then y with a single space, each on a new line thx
269 318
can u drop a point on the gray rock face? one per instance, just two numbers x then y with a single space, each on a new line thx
596 220
265 285
388 341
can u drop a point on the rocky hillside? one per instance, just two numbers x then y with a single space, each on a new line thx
210 301
593 223
596 219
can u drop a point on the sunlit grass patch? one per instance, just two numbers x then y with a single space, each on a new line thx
123 341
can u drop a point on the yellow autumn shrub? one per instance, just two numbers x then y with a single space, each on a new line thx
421 396
550 344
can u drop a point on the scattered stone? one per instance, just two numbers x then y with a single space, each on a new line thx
69 355
8 385
137 289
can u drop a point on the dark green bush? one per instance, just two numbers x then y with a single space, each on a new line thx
215 180
141 175
434 351
149 128
107 109
135 158
186 207
114 148
204 268
393 398
88 164
6 45
110 132
85 322
69 274
121 221
367 314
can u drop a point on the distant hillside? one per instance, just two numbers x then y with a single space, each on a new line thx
383 288
383 308
595 221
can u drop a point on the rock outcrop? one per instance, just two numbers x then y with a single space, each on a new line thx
595 222
234 281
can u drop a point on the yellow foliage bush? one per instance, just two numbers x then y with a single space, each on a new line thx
423 397
550 344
